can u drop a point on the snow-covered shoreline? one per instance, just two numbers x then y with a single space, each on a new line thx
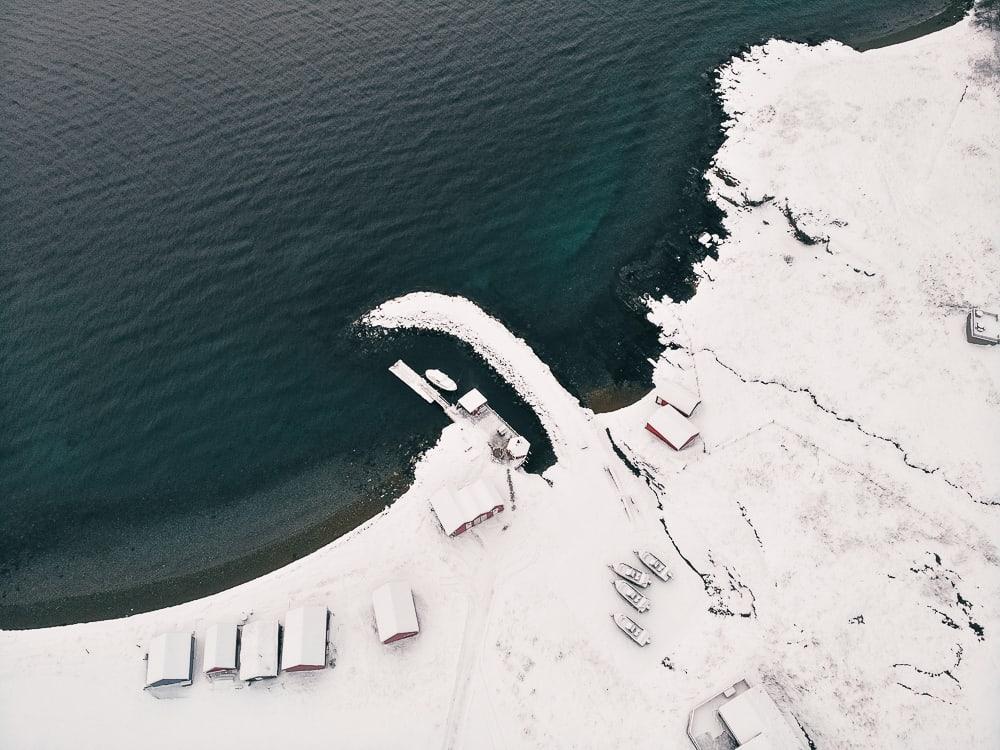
831 536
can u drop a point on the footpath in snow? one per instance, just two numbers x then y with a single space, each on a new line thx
831 533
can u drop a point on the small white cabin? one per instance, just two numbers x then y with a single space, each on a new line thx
220 660
518 447
472 401
395 615
677 396
169 660
304 645
672 427
259 650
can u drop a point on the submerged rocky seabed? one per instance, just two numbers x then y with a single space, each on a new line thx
831 534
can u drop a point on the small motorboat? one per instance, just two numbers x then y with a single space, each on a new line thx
655 564
441 380
631 629
632 596
639 577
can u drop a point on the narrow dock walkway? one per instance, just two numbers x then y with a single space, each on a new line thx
422 388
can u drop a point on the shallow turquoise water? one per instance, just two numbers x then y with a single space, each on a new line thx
198 200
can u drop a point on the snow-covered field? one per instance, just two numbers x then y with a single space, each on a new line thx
832 535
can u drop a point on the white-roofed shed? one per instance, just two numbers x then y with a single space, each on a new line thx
677 396
220 649
169 660
518 447
672 427
395 615
741 716
259 650
304 645
472 401
471 505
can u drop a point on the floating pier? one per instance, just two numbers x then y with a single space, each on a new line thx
420 386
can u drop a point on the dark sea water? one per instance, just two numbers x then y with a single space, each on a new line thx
199 199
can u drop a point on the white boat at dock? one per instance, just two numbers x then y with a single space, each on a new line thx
441 380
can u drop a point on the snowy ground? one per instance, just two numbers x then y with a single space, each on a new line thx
831 536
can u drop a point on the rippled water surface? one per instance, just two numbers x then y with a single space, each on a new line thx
199 199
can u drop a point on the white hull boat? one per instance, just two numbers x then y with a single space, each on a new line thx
655 564
638 577
441 380
633 597
629 627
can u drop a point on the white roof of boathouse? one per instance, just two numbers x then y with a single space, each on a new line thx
455 509
259 650
304 645
672 427
472 401
220 647
741 717
755 721
169 660
677 396
395 614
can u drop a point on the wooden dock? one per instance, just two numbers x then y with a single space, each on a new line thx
498 432
422 388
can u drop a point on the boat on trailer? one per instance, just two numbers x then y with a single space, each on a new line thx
630 628
633 597
655 564
441 380
639 577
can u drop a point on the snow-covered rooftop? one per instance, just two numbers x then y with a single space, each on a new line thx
169 660
304 640
671 426
259 650
454 509
220 647
741 716
679 397
395 615
518 447
472 401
